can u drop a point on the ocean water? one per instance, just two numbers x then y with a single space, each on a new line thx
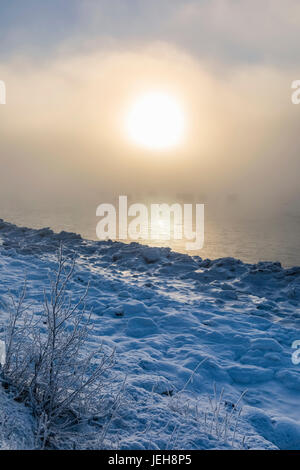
273 238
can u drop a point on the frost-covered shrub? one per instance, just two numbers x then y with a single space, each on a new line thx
46 360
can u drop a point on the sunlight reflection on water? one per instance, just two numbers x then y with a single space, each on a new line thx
275 239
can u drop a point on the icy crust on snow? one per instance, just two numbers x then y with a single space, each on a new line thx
165 312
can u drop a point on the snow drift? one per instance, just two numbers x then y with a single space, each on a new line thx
165 313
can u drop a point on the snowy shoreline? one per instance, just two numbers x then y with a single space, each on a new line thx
165 312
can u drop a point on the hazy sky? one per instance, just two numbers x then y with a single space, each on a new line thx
256 31
72 67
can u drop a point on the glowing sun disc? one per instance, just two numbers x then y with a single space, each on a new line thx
155 121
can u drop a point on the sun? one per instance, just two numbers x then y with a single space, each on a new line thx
155 121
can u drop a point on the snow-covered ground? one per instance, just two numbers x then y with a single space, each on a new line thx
16 424
165 313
